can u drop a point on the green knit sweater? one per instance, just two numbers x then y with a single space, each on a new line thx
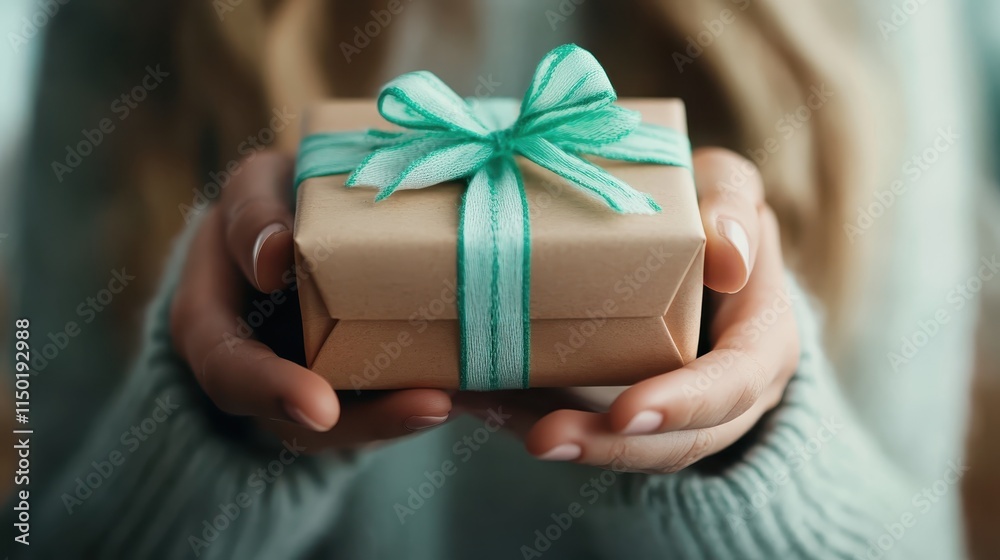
164 475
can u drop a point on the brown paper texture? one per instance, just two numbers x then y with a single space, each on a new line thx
614 298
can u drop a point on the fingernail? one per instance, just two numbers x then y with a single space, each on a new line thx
261 239
414 423
295 413
733 232
646 422
564 452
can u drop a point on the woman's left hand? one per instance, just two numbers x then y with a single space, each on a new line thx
670 421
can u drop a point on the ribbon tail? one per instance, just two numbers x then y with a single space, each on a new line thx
494 255
615 193
648 143
335 153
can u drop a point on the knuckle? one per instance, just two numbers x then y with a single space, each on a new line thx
745 180
620 452
697 408
246 206
729 357
719 155
234 187
702 442
266 163
698 445
754 385
742 197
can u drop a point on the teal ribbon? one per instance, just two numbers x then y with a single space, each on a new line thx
567 113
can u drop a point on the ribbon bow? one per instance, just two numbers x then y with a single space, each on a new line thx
568 112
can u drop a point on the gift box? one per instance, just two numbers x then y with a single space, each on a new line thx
613 298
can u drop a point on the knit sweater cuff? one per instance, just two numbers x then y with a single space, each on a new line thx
807 482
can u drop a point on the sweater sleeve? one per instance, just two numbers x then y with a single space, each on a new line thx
164 474
806 483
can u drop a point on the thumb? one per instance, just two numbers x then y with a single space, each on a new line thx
730 193
257 220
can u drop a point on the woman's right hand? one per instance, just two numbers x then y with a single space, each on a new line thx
243 248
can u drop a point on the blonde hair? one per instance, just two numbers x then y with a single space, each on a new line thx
740 84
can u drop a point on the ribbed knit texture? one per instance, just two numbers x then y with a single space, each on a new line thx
837 495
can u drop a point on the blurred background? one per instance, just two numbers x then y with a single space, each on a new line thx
943 56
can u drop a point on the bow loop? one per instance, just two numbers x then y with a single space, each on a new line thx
421 101
568 84
594 128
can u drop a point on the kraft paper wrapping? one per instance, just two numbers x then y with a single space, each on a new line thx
614 298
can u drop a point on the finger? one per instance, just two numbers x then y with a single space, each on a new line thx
246 378
377 417
257 218
756 345
585 438
730 191
241 375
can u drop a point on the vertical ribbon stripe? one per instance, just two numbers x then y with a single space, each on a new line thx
494 241
567 113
